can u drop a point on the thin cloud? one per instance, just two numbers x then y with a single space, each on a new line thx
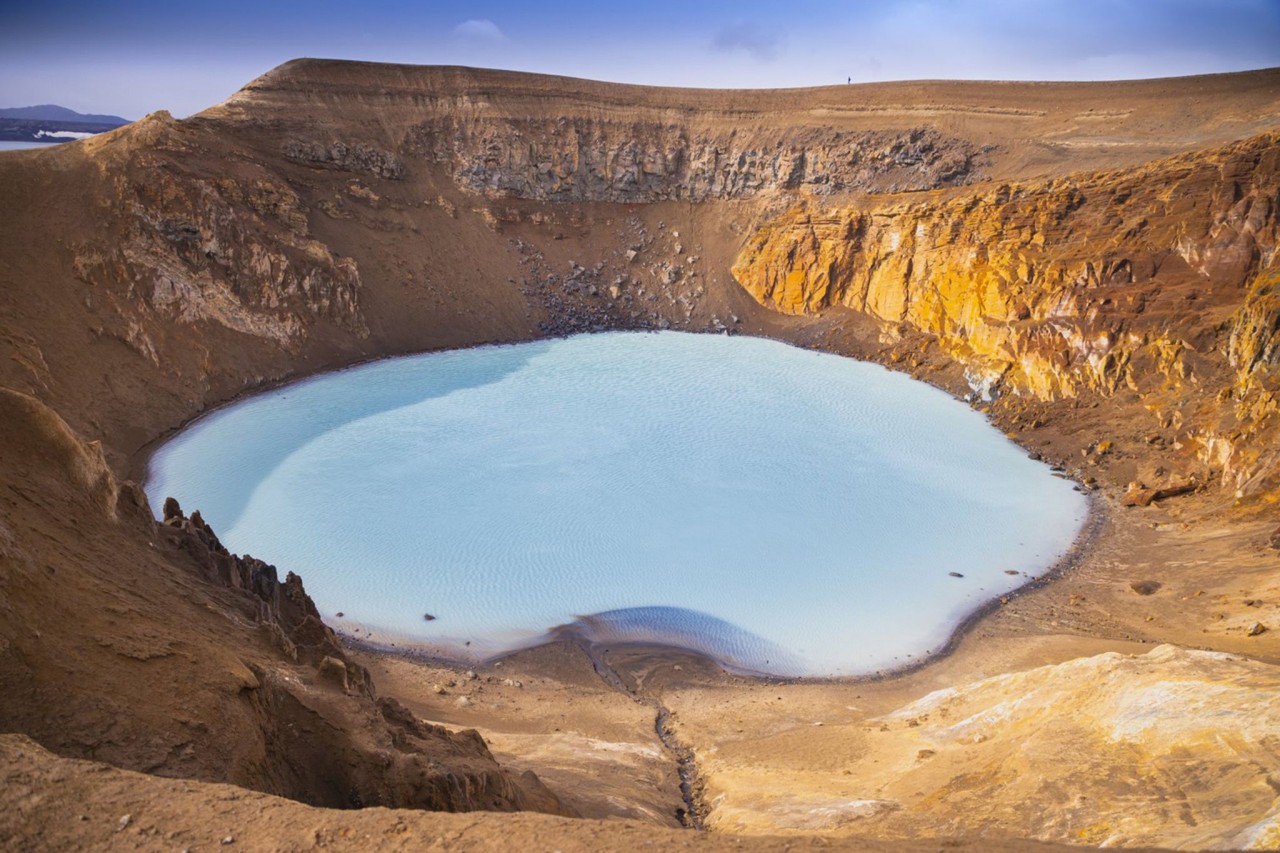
757 41
479 30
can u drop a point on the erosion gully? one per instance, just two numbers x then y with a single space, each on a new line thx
694 811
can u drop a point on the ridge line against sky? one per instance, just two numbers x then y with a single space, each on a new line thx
131 58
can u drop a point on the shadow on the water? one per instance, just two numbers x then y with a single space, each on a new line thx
297 414
732 647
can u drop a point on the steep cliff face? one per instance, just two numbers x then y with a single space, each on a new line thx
230 248
1159 282
561 139
1246 443
585 159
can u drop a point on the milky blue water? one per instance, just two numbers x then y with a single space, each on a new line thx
782 510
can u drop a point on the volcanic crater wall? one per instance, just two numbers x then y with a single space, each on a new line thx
1158 281
1150 282
583 159
332 213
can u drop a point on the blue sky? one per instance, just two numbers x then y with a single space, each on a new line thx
130 58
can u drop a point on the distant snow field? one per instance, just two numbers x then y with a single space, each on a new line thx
63 135
781 510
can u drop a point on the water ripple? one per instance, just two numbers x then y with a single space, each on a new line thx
779 509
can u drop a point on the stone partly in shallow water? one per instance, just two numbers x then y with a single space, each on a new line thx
785 511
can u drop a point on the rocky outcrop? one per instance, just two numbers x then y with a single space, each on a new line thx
1158 282
401 762
1139 494
584 159
284 609
1244 441
229 249
357 157
46 450
1253 341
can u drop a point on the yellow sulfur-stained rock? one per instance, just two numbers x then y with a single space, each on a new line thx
1170 748
1159 281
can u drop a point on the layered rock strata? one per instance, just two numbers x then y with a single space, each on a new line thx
1157 284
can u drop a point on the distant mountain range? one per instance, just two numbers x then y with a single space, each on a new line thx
51 123
53 112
